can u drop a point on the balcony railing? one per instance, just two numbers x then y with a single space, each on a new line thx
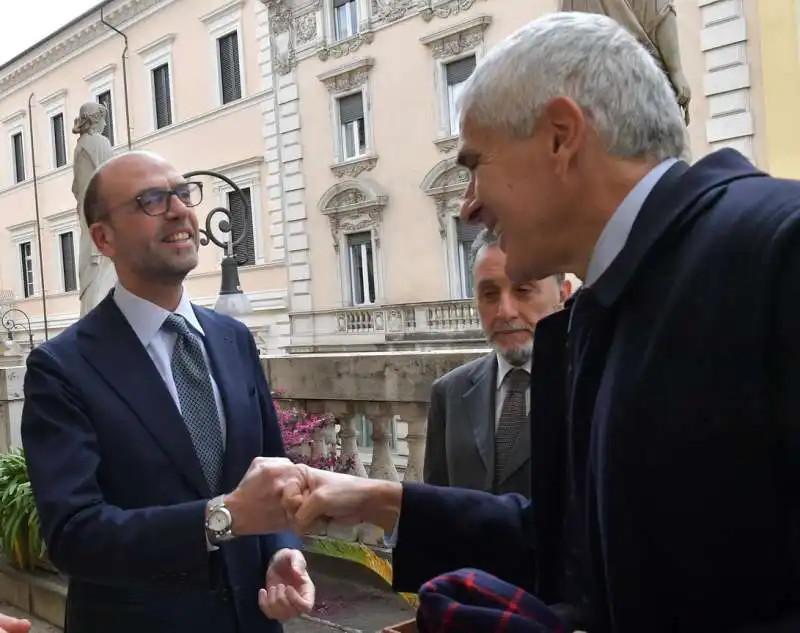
409 324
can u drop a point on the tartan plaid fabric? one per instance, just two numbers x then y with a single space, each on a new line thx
472 601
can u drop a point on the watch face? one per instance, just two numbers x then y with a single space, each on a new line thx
218 521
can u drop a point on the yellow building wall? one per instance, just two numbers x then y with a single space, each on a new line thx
780 74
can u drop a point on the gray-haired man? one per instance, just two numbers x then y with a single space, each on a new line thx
479 421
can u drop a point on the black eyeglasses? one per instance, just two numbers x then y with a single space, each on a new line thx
157 201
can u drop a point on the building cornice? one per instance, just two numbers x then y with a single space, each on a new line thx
72 40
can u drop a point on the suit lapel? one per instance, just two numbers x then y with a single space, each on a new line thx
478 401
110 345
228 371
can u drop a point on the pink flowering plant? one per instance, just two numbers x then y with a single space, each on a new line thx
298 428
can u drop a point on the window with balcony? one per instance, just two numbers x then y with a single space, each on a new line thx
59 140
162 97
242 220
18 156
352 126
361 262
26 269
465 236
230 74
104 99
69 276
345 19
456 74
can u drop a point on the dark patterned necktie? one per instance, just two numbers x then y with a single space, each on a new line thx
512 419
196 395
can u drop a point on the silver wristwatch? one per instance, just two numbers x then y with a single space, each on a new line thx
219 521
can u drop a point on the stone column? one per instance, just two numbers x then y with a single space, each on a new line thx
415 415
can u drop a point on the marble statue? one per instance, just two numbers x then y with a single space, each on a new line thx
654 23
96 272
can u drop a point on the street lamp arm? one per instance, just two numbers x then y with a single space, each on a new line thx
9 323
226 225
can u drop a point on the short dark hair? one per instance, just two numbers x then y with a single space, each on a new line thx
487 238
92 200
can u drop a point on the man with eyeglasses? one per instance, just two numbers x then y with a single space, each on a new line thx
140 418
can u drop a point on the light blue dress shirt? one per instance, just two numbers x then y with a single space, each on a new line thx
146 320
609 245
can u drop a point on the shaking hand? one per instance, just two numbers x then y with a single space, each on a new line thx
321 495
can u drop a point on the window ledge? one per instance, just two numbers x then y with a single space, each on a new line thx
355 166
446 143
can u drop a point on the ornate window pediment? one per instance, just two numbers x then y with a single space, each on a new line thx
446 184
352 206
457 39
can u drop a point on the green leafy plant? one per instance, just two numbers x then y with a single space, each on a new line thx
21 539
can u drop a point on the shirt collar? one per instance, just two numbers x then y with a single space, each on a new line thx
616 231
503 367
146 318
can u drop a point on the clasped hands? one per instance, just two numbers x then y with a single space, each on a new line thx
276 494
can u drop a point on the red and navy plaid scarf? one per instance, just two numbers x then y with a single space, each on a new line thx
472 601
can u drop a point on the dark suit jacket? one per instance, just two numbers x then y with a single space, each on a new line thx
459 450
691 391
120 491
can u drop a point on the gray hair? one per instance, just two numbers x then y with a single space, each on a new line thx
91 118
592 60
487 238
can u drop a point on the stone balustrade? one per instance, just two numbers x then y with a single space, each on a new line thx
389 390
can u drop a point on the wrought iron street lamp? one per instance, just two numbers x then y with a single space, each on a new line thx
10 321
231 301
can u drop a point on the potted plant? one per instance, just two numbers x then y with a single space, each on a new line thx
21 539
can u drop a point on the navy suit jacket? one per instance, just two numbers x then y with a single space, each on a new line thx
680 434
120 492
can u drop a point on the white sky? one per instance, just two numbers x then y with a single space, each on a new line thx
25 22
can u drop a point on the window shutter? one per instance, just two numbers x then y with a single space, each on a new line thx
59 142
467 232
230 76
460 70
68 262
357 239
351 108
162 97
242 220
104 99
19 157
340 3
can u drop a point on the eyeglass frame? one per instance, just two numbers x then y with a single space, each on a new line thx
168 192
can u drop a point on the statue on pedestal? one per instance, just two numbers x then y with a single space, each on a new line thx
96 272
654 23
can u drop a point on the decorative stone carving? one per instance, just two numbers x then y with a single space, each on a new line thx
353 168
285 62
390 10
447 9
446 144
458 39
345 47
346 78
280 16
446 183
353 206
305 28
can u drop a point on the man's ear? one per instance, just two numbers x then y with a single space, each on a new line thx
103 237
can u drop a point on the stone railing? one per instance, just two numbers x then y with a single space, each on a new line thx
409 324
389 390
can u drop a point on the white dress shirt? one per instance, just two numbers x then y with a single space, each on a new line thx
147 320
503 367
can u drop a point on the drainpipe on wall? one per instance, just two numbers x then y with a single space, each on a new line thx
124 74
38 219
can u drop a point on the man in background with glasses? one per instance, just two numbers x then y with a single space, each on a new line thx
140 418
